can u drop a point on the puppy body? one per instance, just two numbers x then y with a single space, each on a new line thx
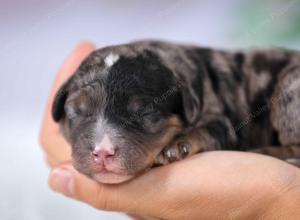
150 103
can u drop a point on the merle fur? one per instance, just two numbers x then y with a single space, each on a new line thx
200 76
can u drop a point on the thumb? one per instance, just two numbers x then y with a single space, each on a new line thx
66 180
146 195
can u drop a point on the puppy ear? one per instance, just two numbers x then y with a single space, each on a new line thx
192 101
58 106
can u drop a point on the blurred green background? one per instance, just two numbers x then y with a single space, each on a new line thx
266 22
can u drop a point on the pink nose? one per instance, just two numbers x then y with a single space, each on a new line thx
104 152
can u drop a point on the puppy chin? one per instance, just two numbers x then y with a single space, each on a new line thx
111 178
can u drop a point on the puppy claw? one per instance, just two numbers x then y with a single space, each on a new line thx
159 160
176 151
184 149
171 154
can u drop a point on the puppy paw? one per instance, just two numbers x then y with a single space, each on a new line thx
178 150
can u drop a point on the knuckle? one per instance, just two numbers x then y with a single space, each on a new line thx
50 161
102 200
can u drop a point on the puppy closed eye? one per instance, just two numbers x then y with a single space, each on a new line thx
151 117
152 121
77 107
141 106
72 111
150 114
135 104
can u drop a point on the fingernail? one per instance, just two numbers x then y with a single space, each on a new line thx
61 180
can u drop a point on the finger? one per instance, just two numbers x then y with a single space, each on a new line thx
71 64
56 148
67 69
66 180
55 160
164 191
50 138
138 196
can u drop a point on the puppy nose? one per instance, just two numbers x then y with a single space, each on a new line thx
104 151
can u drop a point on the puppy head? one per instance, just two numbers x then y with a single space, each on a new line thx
118 111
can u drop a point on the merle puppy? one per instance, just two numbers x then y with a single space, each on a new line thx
134 106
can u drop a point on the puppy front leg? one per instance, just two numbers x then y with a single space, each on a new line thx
217 133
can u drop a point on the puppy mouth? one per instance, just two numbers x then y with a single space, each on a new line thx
112 175
115 176
102 174
115 170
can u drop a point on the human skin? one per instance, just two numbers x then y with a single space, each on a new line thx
210 185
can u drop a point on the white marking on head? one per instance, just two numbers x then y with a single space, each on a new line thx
111 59
103 132
105 144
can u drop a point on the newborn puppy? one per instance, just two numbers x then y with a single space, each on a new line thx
134 106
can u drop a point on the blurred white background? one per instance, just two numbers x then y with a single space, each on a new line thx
35 38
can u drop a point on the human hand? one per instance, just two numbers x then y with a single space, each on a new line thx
57 150
212 185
